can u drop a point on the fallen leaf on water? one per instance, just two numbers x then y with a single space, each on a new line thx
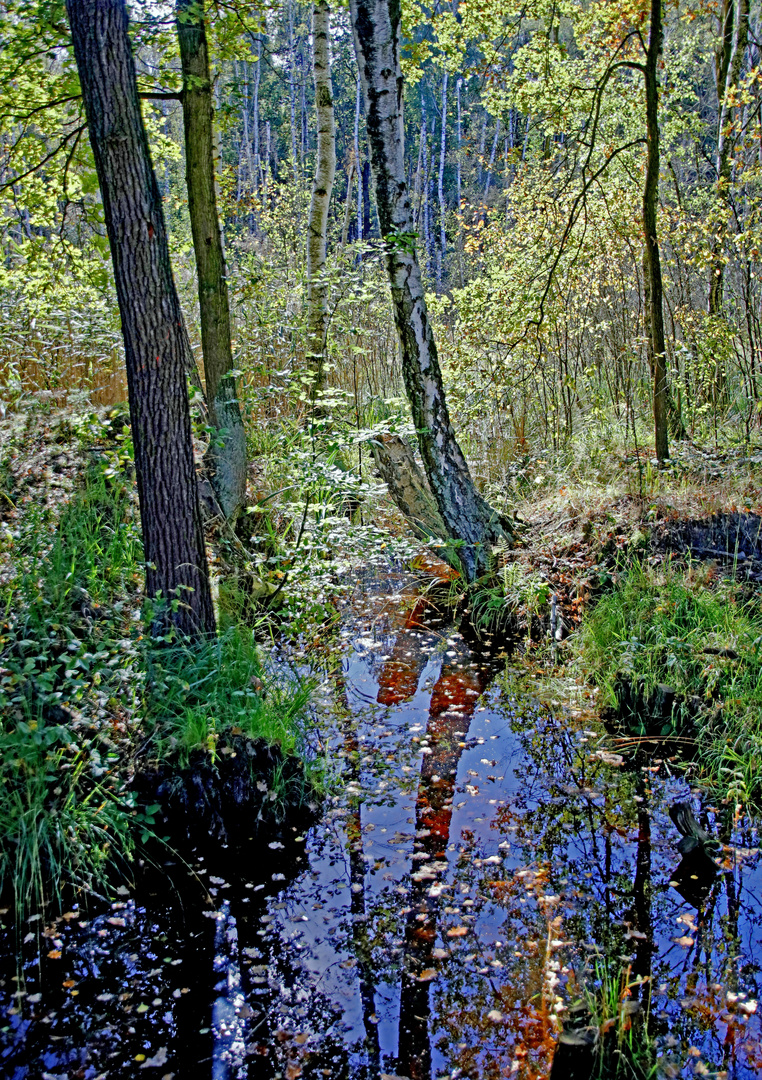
68 983
116 921
440 954
427 975
293 1071
54 954
495 1016
457 931
685 941
301 1038
159 1058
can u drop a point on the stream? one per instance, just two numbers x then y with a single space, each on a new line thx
485 864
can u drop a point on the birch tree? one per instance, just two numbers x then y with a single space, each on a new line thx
468 517
322 187
734 39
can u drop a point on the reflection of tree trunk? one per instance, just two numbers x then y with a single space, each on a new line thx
641 889
361 946
433 815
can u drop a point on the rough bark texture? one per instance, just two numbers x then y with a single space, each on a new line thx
407 486
735 36
467 516
226 458
157 349
651 259
322 187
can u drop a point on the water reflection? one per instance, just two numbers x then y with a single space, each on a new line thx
485 867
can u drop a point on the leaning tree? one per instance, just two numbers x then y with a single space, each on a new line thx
468 518
157 349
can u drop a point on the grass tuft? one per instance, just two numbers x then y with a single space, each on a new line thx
702 638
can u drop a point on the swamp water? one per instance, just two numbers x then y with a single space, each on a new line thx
486 866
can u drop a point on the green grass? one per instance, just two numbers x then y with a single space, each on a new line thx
704 639
200 696
65 815
82 684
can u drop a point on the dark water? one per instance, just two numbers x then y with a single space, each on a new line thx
487 865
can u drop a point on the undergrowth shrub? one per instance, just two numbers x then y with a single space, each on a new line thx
68 651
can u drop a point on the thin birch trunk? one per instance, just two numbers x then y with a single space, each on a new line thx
418 172
257 76
348 202
480 159
322 187
467 516
292 94
358 167
491 160
730 66
246 136
440 186
461 275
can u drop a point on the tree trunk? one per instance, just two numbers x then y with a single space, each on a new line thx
292 95
440 186
226 457
257 77
348 200
358 163
652 261
734 41
157 349
407 486
325 170
467 516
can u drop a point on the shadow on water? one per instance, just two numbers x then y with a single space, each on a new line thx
486 878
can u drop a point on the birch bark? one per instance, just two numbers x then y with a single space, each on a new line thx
322 187
730 64
467 516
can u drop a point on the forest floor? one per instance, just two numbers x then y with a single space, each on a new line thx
73 643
